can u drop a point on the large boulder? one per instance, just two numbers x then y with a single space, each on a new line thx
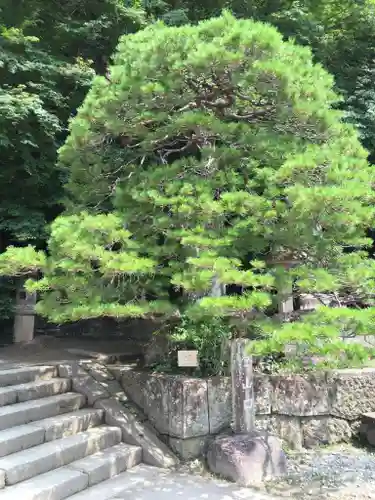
247 459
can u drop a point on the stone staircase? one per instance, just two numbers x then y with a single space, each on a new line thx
52 447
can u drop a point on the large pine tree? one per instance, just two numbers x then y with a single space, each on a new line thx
207 152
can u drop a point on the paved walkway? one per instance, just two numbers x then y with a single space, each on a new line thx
166 485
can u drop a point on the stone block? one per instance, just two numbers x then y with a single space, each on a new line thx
99 372
188 449
355 426
90 388
2 479
114 388
71 369
219 393
42 389
129 485
138 433
133 383
8 396
151 392
156 349
20 438
23 413
263 392
367 428
58 484
117 371
70 423
353 393
108 463
188 408
34 461
27 374
297 395
325 430
288 429
248 460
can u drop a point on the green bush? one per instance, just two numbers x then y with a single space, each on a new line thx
209 338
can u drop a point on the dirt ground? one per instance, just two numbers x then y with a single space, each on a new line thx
46 349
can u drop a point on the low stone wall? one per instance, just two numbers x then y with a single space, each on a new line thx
305 411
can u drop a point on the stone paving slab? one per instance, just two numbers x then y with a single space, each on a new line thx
149 483
169 486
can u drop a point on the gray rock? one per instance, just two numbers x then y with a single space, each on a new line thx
40 459
71 369
99 372
263 393
325 430
133 383
298 395
191 448
248 460
188 410
20 438
114 389
26 374
353 393
151 392
108 463
42 389
57 484
70 423
156 350
367 428
219 392
90 388
288 429
30 411
139 433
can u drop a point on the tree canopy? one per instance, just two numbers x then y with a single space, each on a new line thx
206 153
202 153
45 74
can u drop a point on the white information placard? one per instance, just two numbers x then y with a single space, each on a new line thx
187 358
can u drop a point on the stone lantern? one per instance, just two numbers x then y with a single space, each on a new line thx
24 318
287 260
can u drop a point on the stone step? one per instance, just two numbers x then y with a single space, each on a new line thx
65 482
69 424
55 485
33 390
108 463
26 374
141 475
30 411
29 463
29 435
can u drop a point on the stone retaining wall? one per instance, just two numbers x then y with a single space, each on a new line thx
305 411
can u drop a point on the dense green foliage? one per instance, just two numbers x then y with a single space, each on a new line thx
214 166
210 337
46 53
214 149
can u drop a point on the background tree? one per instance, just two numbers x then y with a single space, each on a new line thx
49 54
213 148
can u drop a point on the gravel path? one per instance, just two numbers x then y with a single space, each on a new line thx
334 473
341 473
